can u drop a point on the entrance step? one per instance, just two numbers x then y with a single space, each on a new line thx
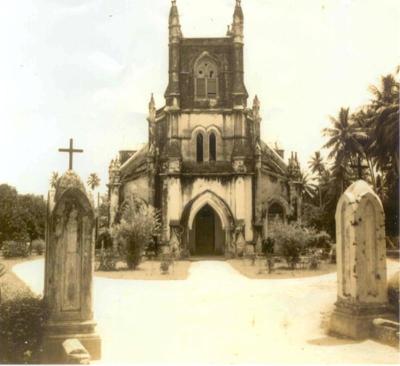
198 258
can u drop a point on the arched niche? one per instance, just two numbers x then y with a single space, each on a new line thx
275 209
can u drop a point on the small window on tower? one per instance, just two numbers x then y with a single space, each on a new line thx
206 83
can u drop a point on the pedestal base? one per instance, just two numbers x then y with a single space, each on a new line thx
355 321
57 333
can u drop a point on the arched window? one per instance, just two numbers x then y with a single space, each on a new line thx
199 148
275 213
206 79
213 147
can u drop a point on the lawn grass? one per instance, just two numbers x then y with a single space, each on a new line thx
281 271
10 285
148 270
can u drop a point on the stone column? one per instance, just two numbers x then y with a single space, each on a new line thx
69 270
361 262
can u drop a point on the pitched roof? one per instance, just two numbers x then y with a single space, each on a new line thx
134 162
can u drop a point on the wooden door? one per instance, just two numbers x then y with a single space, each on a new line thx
205 232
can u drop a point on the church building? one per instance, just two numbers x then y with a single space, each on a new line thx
216 184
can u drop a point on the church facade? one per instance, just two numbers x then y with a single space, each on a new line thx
216 184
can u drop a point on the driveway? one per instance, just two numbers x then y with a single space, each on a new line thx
219 316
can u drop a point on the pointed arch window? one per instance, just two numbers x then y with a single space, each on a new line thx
212 143
206 79
199 148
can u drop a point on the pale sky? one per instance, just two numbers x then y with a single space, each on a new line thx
85 69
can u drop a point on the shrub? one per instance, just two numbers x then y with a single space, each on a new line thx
318 239
15 249
314 261
164 267
268 246
22 322
289 241
104 240
136 231
108 260
38 246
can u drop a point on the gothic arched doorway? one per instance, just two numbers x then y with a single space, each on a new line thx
208 235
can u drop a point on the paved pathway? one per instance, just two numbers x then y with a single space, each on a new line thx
218 316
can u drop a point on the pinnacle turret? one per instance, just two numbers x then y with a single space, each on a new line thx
175 32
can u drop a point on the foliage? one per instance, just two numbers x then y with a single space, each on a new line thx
104 240
22 322
54 179
108 260
15 249
38 246
22 217
268 251
318 217
103 211
139 225
93 181
394 290
268 246
314 260
362 145
11 224
318 239
32 210
289 240
164 266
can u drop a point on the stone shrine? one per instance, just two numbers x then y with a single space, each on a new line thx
69 269
361 262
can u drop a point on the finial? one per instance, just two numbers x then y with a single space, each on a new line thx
173 2
256 101
152 109
238 2
152 102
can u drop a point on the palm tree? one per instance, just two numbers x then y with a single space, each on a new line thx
307 189
385 129
93 181
54 179
345 141
317 165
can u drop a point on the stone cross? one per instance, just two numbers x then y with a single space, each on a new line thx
69 269
71 152
361 262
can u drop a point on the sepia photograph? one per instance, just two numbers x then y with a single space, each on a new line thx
199 182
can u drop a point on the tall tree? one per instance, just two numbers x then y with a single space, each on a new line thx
317 166
93 181
12 226
32 210
54 179
345 142
385 129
